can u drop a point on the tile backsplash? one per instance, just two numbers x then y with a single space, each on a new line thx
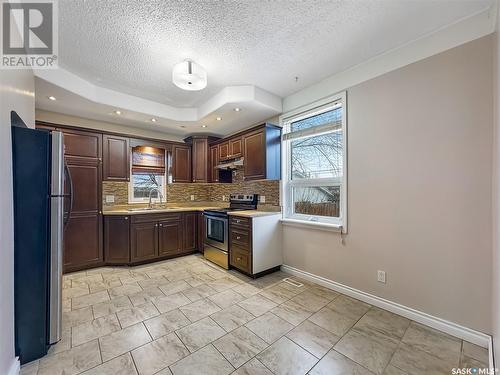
181 193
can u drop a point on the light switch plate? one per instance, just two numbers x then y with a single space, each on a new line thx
192 197
110 199
262 198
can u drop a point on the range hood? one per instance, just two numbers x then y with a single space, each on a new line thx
231 164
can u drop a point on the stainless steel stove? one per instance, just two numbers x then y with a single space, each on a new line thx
216 244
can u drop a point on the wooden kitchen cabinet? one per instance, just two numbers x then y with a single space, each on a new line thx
169 237
143 241
235 148
190 232
200 160
262 152
255 244
116 239
224 150
181 163
116 158
83 237
214 161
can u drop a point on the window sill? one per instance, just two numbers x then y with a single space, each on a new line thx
312 225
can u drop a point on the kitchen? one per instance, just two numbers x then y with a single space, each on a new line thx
250 188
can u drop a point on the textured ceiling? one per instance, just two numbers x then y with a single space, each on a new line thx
131 46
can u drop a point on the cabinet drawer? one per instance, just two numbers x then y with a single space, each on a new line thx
240 238
242 221
147 218
241 260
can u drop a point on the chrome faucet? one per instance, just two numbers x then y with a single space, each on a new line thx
150 205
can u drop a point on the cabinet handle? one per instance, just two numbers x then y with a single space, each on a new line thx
161 225
126 217
156 225
237 221
238 258
238 237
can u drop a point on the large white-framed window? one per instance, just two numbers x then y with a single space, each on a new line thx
314 163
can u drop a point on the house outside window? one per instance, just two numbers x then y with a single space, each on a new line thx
314 163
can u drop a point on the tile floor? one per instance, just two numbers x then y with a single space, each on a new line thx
187 316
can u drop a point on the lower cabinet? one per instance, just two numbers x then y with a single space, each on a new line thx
190 232
148 237
169 238
143 241
117 239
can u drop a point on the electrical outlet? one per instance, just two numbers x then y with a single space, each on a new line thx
381 276
192 197
224 198
262 199
110 199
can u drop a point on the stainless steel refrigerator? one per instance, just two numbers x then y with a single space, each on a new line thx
42 203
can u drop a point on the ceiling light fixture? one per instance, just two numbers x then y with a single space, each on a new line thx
237 109
203 126
153 120
190 76
219 118
52 97
118 112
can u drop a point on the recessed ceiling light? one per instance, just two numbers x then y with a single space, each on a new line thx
219 118
153 120
52 97
182 126
203 126
118 112
237 109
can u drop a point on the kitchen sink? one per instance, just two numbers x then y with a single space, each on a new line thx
152 209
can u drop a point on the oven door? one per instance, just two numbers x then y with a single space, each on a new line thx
216 231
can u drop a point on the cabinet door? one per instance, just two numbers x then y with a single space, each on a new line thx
83 244
190 232
255 156
181 164
116 158
169 237
214 161
116 239
235 148
143 241
224 150
200 162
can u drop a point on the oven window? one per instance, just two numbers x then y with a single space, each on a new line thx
215 230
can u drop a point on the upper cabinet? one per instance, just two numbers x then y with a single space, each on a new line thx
201 164
214 161
224 150
200 160
262 152
116 158
235 148
181 163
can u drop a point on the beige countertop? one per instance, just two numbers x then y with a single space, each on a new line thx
253 213
135 211
123 210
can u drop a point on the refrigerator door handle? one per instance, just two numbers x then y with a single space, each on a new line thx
70 182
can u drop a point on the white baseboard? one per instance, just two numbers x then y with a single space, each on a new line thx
464 333
15 367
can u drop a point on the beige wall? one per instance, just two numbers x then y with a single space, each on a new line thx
59 118
419 196
16 94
